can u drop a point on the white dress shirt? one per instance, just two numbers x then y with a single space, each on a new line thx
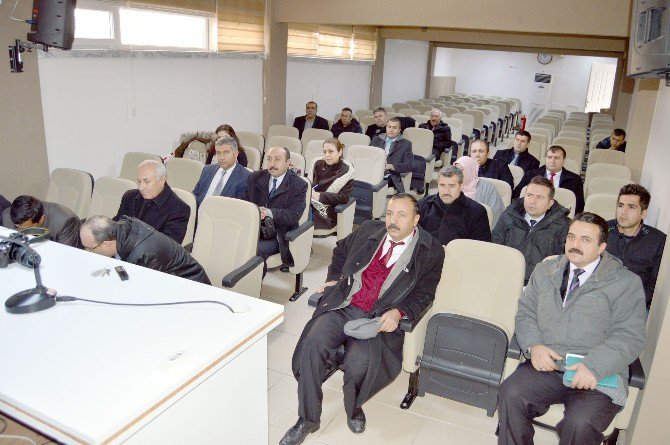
537 219
557 177
588 271
398 250
217 177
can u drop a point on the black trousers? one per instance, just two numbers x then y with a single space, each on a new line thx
528 393
319 346
267 248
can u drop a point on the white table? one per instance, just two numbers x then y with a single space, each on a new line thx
89 373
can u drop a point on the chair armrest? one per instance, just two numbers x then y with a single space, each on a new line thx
295 233
342 207
513 348
236 275
430 158
314 299
378 187
636 377
408 325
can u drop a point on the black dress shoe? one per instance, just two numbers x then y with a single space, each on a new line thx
284 268
357 424
298 432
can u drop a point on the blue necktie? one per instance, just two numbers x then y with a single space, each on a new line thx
515 159
273 190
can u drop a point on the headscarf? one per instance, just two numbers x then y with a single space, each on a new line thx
470 181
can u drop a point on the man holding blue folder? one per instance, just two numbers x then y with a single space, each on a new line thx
587 306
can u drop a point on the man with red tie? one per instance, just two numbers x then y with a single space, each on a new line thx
380 273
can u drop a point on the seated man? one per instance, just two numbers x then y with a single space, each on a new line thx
399 157
28 211
347 123
617 141
280 194
441 134
560 177
379 126
367 279
518 155
583 302
310 119
637 245
535 225
225 178
154 202
449 214
131 240
490 168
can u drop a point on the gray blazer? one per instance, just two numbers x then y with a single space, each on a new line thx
63 223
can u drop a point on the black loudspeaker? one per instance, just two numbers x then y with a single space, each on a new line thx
53 23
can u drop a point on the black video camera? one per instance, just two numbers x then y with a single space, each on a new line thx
15 248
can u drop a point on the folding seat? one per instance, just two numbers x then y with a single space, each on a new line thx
254 158
189 198
602 117
466 129
572 134
503 188
300 246
107 194
422 145
573 166
427 101
504 115
534 148
292 143
72 189
458 101
458 349
597 156
496 122
449 111
313 151
599 135
367 120
478 122
488 129
420 119
413 103
574 152
606 126
132 160
183 173
370 187
546 132
232 226
361 113
282 130
576 128
251 139
460 107
561 112
564 197
349 139
547 126
517 173
408 111
457 134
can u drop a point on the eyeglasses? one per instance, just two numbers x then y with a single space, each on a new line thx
91 249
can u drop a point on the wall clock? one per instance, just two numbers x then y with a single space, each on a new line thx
544 58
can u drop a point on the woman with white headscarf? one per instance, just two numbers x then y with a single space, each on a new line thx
481 191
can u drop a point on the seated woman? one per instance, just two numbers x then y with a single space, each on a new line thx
332 181
478 189
227 130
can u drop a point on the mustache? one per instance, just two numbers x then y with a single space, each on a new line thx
575 250
392 226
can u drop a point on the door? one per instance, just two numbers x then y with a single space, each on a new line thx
601 85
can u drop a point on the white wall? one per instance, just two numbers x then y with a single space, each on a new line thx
405 68
332 84
97 109
509 74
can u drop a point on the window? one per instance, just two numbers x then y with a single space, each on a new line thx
93 24
332 42
151 28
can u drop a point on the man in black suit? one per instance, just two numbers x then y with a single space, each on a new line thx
379 273
560 177
27 211
155 203
379 126
399 157
490 168
310 119
280 194
518 155
225 178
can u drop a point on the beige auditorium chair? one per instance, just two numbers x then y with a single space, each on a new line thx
547 126
572 134
368 120
423 108
282 130
419 119
251 139
369 167
573 166
361 113
107 194
232 226
413 103
517 173
598 156
489 215
254 157
422 145
574 152
300 246
602 204
605 127
599 170
396 106
312 151
480 281
315 133
349 139
478 121
456 126
503 188
132 160
189 198
292 143
408 111
183 173
534 148
564 197
449 111
72 189
605 185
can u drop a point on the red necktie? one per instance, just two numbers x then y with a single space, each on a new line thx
387 257
551 176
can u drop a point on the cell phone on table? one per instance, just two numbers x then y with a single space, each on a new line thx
121 271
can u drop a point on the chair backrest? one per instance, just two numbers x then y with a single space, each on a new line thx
467 123
541 135
564 197
398 105
250 139
361 113
189 198
489 214
573 135
349 139
369 163
311 134
313 150
547 126
535 148
607 171
420 119
606 156
449 111
407 111
282 130
292 143
605 126
225 225
461 108
578 128
551 120
573 166
602 204
427 101
254 158
131 160
196 151
560 140
421 139
413 103
71 188
423 108
107 194
517 173
183 173
495 112
477 116
481 280
456 126
367 120
605 185
503 188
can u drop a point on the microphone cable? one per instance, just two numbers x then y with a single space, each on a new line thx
171 303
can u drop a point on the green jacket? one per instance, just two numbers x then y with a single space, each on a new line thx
604 319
